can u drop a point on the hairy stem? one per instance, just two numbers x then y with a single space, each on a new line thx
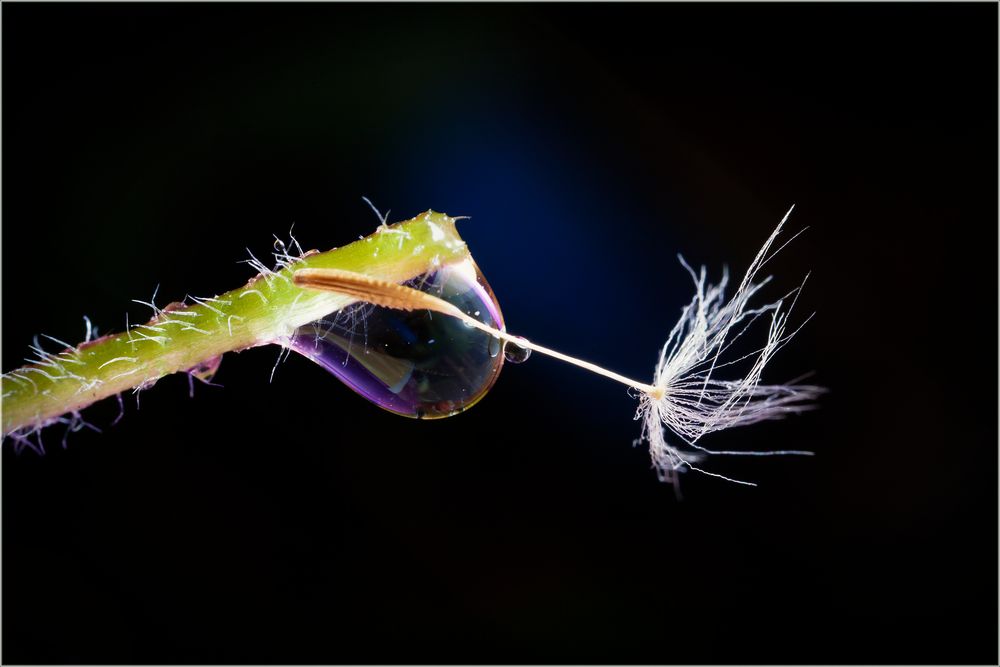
185 336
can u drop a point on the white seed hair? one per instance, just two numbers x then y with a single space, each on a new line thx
692 402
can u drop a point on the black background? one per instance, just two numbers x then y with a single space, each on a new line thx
295 522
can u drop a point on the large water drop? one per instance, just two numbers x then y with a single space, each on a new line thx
414 363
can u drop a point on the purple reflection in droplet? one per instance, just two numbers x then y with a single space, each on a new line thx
417 363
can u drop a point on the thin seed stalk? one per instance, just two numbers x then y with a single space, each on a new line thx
182 337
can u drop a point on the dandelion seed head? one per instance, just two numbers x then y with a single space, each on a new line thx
691 400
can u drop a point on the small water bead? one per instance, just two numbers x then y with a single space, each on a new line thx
414 363
515 354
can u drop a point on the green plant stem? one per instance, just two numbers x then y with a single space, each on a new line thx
182 337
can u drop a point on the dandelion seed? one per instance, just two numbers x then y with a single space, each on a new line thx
692 401
686 398
434 346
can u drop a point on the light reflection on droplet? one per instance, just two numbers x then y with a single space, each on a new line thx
417 363
515 354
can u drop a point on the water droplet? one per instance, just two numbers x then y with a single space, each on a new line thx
515 354
417 364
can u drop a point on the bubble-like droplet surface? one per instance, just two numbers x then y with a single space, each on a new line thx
514 353
414 363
